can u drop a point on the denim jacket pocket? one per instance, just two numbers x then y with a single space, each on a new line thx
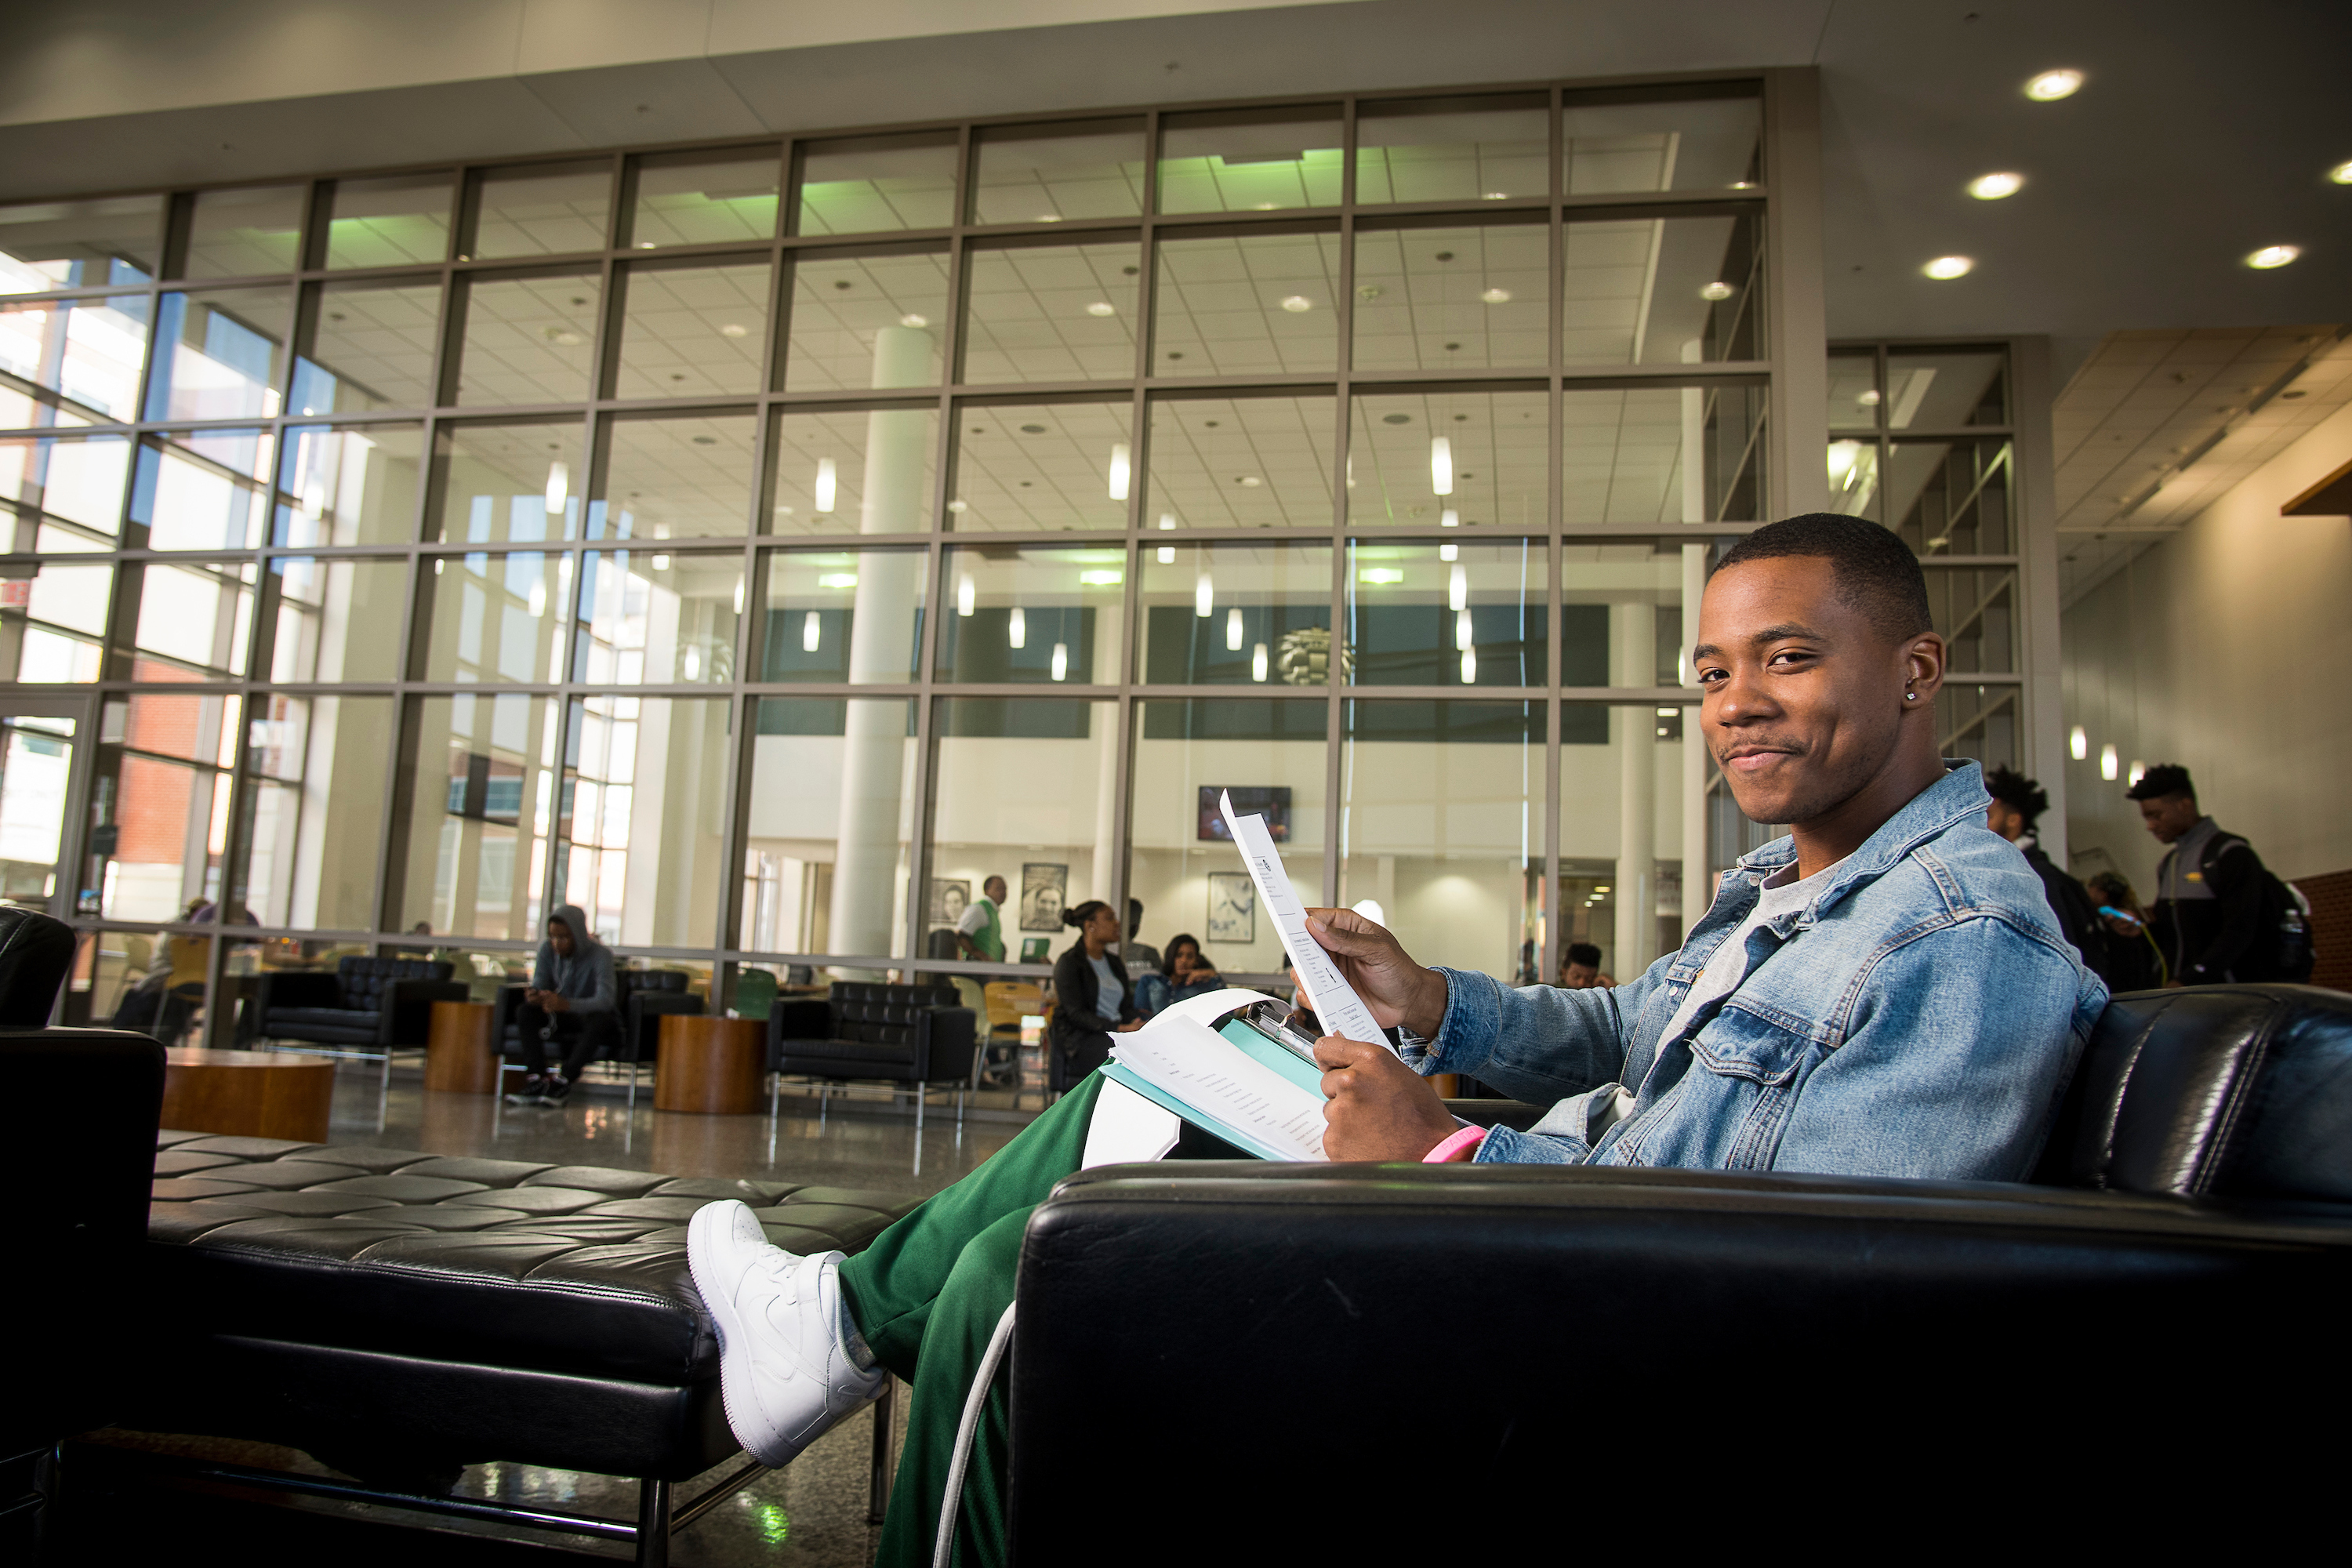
1739 1043
1746 1072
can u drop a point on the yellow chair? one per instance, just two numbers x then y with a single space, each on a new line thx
1010 1001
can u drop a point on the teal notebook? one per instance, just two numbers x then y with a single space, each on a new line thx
1291 1067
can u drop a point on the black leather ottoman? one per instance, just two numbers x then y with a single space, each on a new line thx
397 1315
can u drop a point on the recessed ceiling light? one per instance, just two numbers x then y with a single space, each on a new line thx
1049 218
2270 256
1867 397
1992 187
645 245
1497 295
1944 268
1298 303
1249 481
1716 292
733 330
1498 195
2341 175
2051 85
1102 307
914 321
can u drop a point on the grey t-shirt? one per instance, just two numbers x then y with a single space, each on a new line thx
1109 991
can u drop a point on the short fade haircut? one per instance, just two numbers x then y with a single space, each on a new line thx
1877 572
2019 794
2164 779
1585 954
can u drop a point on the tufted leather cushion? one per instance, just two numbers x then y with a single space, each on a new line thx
902 1034
365 980
2236 1092
568 1270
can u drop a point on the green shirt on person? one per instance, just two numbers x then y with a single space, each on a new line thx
981 924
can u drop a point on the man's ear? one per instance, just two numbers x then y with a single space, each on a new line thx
1925 657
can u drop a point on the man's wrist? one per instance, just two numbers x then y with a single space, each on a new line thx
1426 1015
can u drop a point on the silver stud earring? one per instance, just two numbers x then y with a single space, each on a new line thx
1910 696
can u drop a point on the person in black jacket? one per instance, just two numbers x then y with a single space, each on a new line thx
1092 997
2208 918
2018 804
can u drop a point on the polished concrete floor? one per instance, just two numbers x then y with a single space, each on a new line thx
813 1513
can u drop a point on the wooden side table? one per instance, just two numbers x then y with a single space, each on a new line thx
460 1058
710 1065
249 1094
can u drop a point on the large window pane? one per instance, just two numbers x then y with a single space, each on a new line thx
1235 614
1061 312
1451 298
396 221
238 233
529 340
1621 619
1627 809
188 622
1453 149
1946 389
655 619
158 815
868 471
89 352
497 618
1625 455
1239 304
1042 466
1661 290
1442 827
493 483
703 198
1032 798
825 861
373 346
202 489
1248 462
1983 722
1449 614
1041 616
844 615
70 245
1976 608
867 320
687 331
1181 868
481 806
1853 391
545 209
335 619
354 486
1951 498
218 355
644 794
50 625
1044 173
675 478
1252 159
317 767
75 482
871 183
1449 458
1669 144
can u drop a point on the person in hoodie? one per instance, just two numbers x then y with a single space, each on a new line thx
569 999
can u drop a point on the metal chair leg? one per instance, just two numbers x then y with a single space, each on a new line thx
653 1524
920 1098
384 1090
877 1486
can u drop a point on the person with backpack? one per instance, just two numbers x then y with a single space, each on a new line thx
2219 914
2018 803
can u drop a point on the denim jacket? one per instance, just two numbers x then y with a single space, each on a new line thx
1919 1016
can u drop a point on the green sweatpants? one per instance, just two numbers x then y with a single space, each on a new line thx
926 1295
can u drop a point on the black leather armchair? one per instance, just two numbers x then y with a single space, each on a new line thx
911 1036
366 1008
1577 1342
81 1147
641 996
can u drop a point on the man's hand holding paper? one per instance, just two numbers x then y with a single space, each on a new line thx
1398 991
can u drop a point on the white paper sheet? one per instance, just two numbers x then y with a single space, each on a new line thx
1334 1001
1192 1063
1127 1129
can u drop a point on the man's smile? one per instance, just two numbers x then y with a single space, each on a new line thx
1753 756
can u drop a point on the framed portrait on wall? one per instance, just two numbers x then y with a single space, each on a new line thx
949 900
1043 890
1233 907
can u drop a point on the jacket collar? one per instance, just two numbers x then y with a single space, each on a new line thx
1955 797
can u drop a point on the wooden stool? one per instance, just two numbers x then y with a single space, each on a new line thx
710 1065
250 1094
459 1056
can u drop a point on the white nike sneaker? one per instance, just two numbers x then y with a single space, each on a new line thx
783 1368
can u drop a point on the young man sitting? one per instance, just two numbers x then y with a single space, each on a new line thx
1882 993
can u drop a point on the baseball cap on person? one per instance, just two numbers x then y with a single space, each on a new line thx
2164 779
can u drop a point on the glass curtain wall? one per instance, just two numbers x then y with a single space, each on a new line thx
863 517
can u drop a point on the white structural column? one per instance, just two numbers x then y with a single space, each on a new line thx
1102 722
866 881
1698 886
1633 658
